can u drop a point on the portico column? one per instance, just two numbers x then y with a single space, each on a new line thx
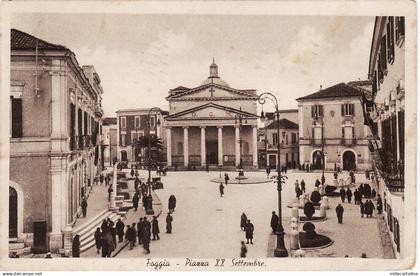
237 147
168 146
254 147
220 145
186 146
203 146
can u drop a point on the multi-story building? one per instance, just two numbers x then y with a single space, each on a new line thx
385 116
331 125
54 140
212 125
109 140
131 125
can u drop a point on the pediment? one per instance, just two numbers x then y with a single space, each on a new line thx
212 91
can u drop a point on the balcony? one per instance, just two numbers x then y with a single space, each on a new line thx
348 142
99 111
317 142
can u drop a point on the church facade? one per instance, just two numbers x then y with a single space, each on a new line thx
212 125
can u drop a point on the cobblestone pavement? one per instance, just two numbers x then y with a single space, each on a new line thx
207 225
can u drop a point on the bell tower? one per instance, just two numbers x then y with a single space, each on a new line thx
214 70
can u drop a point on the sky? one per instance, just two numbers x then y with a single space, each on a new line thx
140 57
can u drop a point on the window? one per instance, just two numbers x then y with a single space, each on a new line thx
316 111
152 121
390 39
123 139
382 60
287 139
137 122
347 109
123 122
294 140
399 28
180 148
275 139
134 137
16 123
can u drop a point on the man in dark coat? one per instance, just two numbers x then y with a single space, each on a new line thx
140 230
171 203
169 220
249 231
146 235
221 189
243 221
302 185
267 171
101 178
371 208
342 194
339 210
98 239
362 209
110 190
132 172
136 201
120 230
226 178
130 235
155 228
356 195
84 206
113 233
274 221
147 228
75 249
104 226
349 195
136 184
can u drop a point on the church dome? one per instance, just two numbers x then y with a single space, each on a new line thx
214 76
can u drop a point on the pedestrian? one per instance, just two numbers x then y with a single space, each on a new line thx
243 221
120 230
146 235
317 183
302 185
307 167
298 192
113 232
362 209
147 227
171 203
221 189
110 190
101 178
371 208
274 221
285 169
132 172
356 196
84 206
349 195
296 184
130 235
226 178
104 226
75 248
169 220
136 201
249 231
140 230
268 171
339 210
155 228
335 175
352 177
136 184
244 250
98 239
342 194
144 198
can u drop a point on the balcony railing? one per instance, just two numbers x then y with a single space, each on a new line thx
348 141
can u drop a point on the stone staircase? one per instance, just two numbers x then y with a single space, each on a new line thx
18 248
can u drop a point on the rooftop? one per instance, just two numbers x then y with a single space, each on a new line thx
22 41
340 90
284 124
109 121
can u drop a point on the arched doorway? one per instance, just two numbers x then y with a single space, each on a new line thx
123 155
317 160
13 213
349 160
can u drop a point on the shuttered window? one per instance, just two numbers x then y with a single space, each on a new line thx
16 108
316 111
347 109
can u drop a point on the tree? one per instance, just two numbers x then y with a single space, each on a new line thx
155 148
309 210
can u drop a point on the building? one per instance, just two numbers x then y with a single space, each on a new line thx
289 114
109 140
385 116
54 140
212 124
289 149
331 122
131 125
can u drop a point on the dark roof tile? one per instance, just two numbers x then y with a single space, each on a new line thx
284 123
336 91
22 41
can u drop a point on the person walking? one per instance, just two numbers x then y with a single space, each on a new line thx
221 189
244 249
267 171
75 248
130 235
171 203
120 230
110 190
349 195
84 206
298 192
302 185
98 239
249 231
146 235
110 245
101 178
339 210
356 195
342 194
226 178
296 184
140 227
113 233
243 221
169 220
147 228
362 209
136 201
132 172
371 208
155 228
274 221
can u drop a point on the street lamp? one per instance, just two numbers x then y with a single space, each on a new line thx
280 250
322 152
238 120
149 200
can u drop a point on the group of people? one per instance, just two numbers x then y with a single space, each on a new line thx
300 189
106 237
248 227
142 232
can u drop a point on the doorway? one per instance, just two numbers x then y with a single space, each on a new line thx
272 161
212 152
317 160
13 213
349 161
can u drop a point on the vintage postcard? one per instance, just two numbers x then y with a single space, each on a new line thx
208 135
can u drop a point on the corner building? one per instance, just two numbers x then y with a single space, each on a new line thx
212 124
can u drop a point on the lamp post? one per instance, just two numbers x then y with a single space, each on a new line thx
322 152
280 250
238 120
149 200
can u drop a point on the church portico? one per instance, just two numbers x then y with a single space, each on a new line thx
211 125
